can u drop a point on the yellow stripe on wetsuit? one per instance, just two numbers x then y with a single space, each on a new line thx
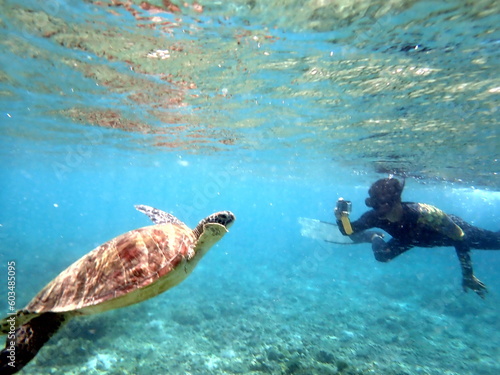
438 220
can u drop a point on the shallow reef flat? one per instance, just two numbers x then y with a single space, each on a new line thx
354 323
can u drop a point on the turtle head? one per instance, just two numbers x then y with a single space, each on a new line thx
222 220
210 230
225 218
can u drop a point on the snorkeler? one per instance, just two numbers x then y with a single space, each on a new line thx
414 224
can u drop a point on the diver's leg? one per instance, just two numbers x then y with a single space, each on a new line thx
478 238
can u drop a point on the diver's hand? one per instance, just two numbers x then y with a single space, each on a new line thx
372 234
476 285
378 243
369 236
342 209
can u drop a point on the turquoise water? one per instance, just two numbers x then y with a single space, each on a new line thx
272 110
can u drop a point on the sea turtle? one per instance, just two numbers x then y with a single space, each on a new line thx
130 268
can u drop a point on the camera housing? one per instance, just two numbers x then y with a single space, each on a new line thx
344 206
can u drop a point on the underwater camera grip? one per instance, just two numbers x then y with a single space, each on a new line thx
342 211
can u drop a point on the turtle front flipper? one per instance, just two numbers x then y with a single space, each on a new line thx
158 216
29 339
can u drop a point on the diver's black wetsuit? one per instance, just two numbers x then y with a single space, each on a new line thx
423 225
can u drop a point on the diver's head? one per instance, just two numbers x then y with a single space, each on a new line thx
384 194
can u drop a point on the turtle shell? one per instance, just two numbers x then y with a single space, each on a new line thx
130 268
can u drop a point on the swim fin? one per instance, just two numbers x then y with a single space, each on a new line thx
322 231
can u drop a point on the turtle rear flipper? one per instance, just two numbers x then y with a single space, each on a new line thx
30 337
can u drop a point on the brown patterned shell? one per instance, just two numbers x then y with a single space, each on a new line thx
130 268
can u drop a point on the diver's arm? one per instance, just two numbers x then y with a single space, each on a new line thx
386 251
366 236
469 281
358 228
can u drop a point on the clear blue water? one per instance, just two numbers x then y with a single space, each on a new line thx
271 110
